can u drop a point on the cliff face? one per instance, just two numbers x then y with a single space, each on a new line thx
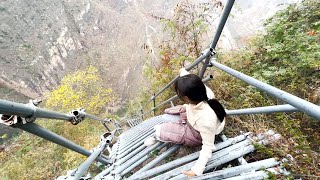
42 41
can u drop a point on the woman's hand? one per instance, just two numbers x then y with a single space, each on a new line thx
188 173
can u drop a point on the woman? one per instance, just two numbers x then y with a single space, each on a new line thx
201 119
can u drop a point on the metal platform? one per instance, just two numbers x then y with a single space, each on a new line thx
129 153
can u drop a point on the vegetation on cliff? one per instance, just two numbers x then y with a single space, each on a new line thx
285 56
31 157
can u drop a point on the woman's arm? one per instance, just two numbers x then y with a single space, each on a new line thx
207 134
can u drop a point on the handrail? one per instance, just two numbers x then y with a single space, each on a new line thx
30 110
295 103
301 104
206 55
175 96
222 22
53 137
22 116
263 110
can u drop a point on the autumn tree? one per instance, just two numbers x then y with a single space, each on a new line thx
31 157
186 36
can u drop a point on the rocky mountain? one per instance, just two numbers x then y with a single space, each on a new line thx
246 20
42 41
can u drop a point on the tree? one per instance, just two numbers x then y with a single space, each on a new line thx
81 89
185 38
31 157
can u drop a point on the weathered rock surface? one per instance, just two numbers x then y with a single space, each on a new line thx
42 41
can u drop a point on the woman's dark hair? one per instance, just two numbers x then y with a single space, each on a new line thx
191 86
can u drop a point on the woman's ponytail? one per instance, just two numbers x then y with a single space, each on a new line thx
217 108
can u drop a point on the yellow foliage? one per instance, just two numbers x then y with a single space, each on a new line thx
30 157
82 88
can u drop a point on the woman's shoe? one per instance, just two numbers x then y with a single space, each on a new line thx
150 141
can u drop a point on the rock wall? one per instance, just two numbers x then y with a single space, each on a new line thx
42 41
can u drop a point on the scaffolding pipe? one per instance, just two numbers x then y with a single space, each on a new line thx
230 153
96 118
29 110
263 110
125 158
145 126
50 136
154 105
138 142
159 158
221 25
204 55
134 136
135 133
87 163
103 173
140 158
208 78
136 158
186 159
240 160
303 105
220 157
234 171
129 142
256 175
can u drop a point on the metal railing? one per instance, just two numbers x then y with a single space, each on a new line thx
298 103
22 116
205 56
294 103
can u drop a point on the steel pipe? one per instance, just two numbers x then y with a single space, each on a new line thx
103 173
29 110
224 155
158 159
50 136
87 163
237 170
229 156
208 78
128 142
123 151
141 158
256 175
119 169
240 160
221 25
131 133
137 131
204 55
301 104
186 159
263 110
131 154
